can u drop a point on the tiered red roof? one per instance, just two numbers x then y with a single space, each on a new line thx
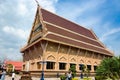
63 31
16 64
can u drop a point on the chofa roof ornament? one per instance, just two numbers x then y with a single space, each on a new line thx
37 3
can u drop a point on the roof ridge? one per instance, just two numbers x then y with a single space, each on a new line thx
97 39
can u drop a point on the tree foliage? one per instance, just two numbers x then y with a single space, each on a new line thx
9 68
109 68
73 70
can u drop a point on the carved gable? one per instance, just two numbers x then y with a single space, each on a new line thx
63 59
37 29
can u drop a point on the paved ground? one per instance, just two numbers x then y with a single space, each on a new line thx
33 78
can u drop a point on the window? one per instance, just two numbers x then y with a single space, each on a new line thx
95 67
81 66
32 65
62 66
89 67
38 65
50 65
72 65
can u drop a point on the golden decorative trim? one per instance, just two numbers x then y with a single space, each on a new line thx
41 19
62 58
51 57
27 46
33 26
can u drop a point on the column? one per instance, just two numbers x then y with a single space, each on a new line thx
56 66
77 67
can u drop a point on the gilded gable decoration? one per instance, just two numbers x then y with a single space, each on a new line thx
62 59
50 57
73 60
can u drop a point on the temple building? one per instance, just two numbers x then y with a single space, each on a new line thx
55 44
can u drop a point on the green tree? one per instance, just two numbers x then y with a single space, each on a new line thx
86 71
109 68
73 70
83 68
9 68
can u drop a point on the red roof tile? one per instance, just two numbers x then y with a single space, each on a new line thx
71 35
18 65
54 19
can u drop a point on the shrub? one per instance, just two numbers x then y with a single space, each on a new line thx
99 77
62 77
87 79
108 79
109 68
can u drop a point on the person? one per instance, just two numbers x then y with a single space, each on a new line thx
81 75
66 77
13 76
0 74
58 75
3 75
69 76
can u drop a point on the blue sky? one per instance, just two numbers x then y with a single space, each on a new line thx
16 18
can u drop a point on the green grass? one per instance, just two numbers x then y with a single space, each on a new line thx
87 79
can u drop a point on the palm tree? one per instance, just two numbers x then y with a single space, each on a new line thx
109 68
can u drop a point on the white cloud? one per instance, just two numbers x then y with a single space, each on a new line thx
22 9
107 34
16 32
19 16
48 4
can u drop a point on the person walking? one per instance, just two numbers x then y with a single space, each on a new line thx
3 75
69 76
66 76
13 76
0 74
81 75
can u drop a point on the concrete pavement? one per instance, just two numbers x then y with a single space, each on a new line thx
33 78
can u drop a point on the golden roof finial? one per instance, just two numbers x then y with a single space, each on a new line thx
37 3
